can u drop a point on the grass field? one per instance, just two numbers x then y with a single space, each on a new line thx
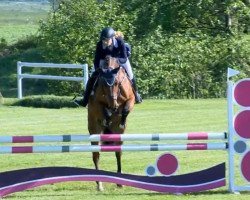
153 116
20 19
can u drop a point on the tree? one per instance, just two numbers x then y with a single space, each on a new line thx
209 16
181 49
1 98
71 33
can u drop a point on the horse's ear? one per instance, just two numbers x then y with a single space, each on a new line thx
115 71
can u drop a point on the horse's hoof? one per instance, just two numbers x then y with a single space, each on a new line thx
99 187
122 126
104 122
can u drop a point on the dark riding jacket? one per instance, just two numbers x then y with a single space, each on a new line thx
118 51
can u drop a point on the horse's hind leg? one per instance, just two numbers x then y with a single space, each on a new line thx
96 158
119 165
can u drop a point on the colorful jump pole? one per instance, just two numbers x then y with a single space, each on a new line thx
113 137
112 148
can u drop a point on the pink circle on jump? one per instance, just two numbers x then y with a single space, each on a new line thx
167 164
242 124
245 166
241 92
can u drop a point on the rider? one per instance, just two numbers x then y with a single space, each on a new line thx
115 47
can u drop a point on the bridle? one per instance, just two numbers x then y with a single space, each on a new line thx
112 95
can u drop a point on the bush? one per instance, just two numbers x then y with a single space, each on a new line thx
180 66
70 36
48 101
172 56
26 50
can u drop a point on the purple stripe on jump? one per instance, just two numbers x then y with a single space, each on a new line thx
22 139
110 137
197 136
196 146
22 149
127 182
111 148
162 188
18 180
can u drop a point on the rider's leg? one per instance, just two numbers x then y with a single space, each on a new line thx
84 101
129 71
138 98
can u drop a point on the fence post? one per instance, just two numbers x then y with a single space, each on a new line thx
230 136
86 75
19 80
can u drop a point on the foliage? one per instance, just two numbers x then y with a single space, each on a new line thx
18 41
187 67
181 49
70 34
209 16
25 49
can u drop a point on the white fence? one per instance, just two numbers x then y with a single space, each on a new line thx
20 75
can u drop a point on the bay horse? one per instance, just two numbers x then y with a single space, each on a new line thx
109 107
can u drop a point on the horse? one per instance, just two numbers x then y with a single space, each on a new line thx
109 106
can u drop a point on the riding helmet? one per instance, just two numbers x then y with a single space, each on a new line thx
107 32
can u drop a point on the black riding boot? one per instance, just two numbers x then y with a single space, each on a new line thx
138 98
84 101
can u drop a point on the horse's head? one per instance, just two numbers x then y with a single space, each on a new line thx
111 62
111 81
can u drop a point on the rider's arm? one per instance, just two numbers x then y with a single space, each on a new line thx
97 56
123 53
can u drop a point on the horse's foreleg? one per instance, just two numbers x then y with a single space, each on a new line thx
125 113
119 164
107 117
96 158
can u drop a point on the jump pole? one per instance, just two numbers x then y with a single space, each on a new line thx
112 148
113 137
23 179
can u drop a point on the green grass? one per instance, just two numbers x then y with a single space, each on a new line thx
153 116
18 20
13 33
